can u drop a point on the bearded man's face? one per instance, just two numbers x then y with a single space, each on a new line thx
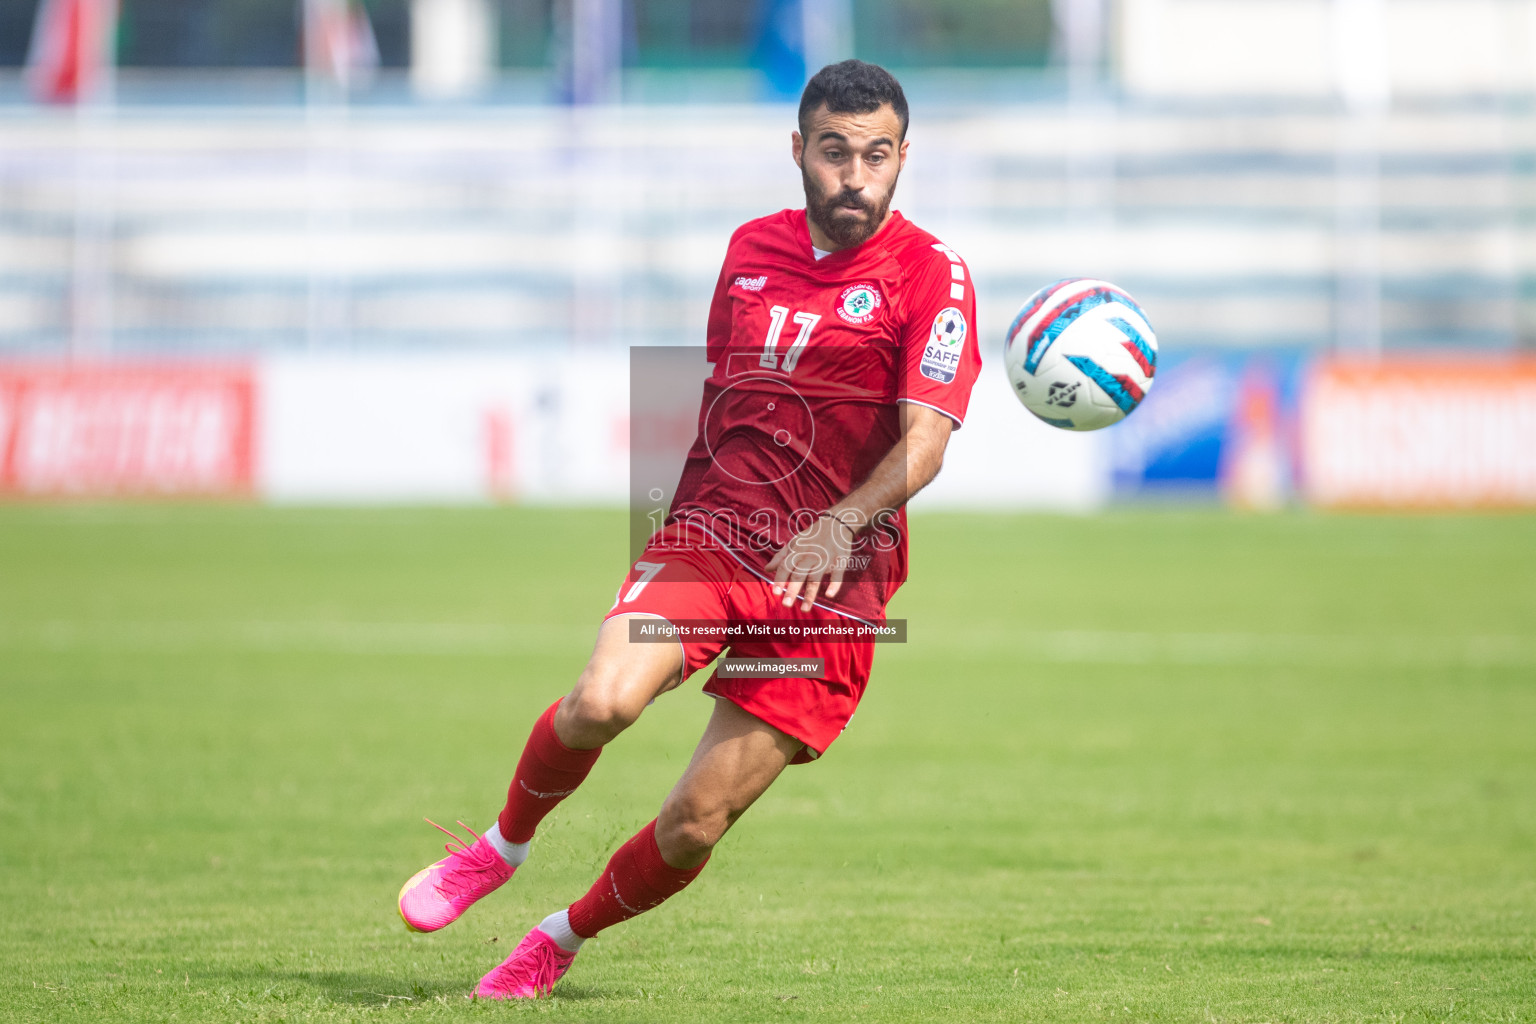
849 163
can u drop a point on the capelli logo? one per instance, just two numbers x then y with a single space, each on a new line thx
752 284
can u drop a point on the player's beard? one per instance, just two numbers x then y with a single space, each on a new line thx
835 222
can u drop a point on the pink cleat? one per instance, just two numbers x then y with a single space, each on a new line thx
436 895
530 972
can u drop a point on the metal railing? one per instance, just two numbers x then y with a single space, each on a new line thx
183 230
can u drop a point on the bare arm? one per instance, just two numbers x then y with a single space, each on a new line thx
821 550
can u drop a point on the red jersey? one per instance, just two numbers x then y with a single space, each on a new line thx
810 360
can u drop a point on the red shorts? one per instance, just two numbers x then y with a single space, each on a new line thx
678 583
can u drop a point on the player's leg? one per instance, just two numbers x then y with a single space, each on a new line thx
620 678
734 764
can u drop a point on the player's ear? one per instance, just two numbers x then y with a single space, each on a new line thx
902 155
797 149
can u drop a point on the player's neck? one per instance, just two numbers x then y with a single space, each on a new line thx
821 240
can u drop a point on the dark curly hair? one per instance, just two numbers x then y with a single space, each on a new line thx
853 87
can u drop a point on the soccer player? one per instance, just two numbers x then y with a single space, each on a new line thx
843 352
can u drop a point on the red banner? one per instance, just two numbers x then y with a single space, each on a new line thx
117 431
1444 432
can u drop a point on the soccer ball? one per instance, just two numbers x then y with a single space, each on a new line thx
1081 355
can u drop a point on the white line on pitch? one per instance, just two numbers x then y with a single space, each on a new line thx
1062 646
439 638
1144 648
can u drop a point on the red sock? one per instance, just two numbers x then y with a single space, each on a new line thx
548 772
635 880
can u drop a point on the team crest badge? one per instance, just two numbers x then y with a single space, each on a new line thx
859 304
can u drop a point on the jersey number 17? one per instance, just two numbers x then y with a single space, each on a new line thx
770 358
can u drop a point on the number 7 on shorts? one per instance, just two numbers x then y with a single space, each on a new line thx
648 572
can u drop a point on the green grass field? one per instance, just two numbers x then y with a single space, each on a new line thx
1155 765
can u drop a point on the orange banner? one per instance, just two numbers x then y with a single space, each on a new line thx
120 431
1424 432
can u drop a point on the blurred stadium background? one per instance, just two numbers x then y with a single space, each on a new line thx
395 250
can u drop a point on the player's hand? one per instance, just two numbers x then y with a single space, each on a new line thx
815 554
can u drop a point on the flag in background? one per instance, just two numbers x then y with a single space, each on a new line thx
797 38
339 42
780 48
72 48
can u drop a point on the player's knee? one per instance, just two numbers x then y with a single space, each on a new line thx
597 711
688 828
